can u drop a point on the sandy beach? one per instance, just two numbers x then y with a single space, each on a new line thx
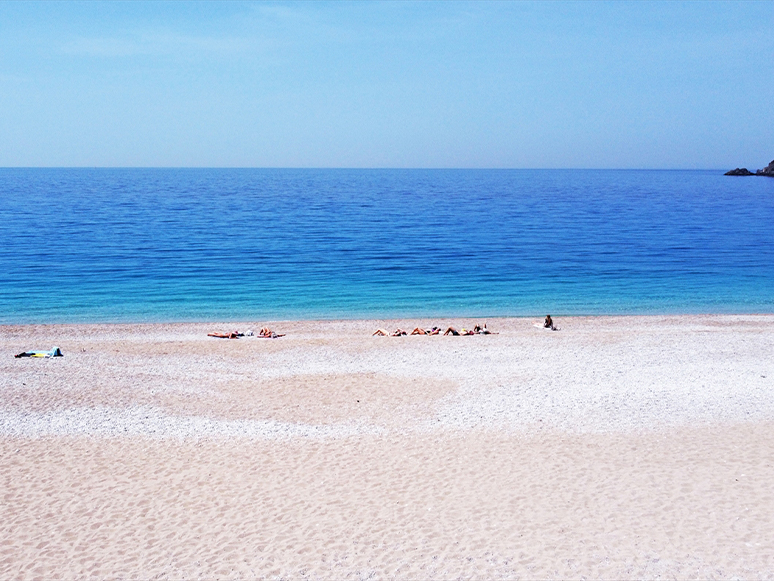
615 448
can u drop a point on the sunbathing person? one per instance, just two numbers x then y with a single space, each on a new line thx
456 333
234 335
433 331
385 333
549 323
479 330
266 333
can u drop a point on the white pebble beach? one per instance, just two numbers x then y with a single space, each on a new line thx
615 448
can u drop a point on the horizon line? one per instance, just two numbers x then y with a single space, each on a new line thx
374 168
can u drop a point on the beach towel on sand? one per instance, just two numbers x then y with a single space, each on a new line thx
55 352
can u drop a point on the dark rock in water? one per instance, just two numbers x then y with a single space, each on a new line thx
767 171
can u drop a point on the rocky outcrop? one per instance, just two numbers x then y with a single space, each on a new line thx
740 171
767 171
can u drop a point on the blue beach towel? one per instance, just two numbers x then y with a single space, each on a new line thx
55 352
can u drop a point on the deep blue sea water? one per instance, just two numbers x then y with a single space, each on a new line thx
228 244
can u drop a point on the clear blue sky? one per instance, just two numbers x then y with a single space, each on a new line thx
513 85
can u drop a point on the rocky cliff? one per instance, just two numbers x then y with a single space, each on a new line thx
767 171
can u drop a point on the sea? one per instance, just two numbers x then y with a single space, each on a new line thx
164 245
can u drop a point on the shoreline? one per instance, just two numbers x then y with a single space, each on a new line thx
419 319
258 321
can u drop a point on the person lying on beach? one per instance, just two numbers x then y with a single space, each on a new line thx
433 331
234 335
456 333
266 333
482 330
384 333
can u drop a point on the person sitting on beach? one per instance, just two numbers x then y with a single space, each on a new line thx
549 323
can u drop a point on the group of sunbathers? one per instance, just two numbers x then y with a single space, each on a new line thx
267 333
264 333
477 330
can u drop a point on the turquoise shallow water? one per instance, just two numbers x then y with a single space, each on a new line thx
199 244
